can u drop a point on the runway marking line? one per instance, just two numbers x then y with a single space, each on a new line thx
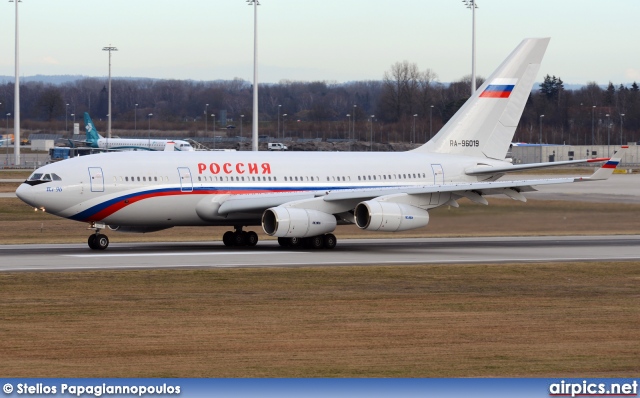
333 263
172 254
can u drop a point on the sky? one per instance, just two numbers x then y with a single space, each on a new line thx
327 40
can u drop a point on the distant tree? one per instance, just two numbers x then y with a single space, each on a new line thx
610 94
551 87
51 103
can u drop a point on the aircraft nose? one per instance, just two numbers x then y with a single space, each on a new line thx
26 193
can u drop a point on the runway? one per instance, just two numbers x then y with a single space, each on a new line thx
349 252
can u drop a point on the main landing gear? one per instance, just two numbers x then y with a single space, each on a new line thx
326 241
240 237
97 241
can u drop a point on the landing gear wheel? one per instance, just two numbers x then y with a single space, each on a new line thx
316 242
101 242
295 242
329 241
252 238
227 238
92 242
239 238
284 242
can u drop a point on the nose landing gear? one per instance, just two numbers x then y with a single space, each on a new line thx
98 241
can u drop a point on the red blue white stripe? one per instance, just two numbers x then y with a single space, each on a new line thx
499 88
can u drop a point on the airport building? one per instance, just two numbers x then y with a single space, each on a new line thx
536 153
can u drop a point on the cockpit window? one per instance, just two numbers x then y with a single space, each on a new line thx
41 178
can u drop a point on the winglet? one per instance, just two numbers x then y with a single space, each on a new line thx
606 169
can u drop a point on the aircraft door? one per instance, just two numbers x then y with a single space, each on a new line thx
438 179
96 179
186 183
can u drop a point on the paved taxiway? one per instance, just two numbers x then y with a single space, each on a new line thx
348 252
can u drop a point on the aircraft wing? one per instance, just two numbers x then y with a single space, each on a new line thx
474 191
510 188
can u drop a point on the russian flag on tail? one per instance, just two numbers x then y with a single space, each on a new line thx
499 88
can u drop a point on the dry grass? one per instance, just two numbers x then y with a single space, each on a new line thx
514 320
580 320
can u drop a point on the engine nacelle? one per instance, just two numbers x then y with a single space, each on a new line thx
374 215
290 222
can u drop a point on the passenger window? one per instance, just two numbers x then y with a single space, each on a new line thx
126 179
138 178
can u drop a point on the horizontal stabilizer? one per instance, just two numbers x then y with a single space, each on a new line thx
488 169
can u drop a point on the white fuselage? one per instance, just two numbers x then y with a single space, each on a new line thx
134 144
163 189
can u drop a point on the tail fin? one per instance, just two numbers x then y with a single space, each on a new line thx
486 123
92 132
607 169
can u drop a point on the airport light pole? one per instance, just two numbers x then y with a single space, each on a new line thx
471 4
278 132
149 129
541 116
608 136
14 144
254 126
283 129
593 115
354 121
241 119
110 49
213 115
414 127
66 117
431 122
73 120
621 117
16 103
371 132
135 118
206 128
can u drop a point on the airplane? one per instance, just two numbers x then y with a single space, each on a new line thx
300 197
95 140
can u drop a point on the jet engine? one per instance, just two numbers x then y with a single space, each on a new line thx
374 215
290 222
